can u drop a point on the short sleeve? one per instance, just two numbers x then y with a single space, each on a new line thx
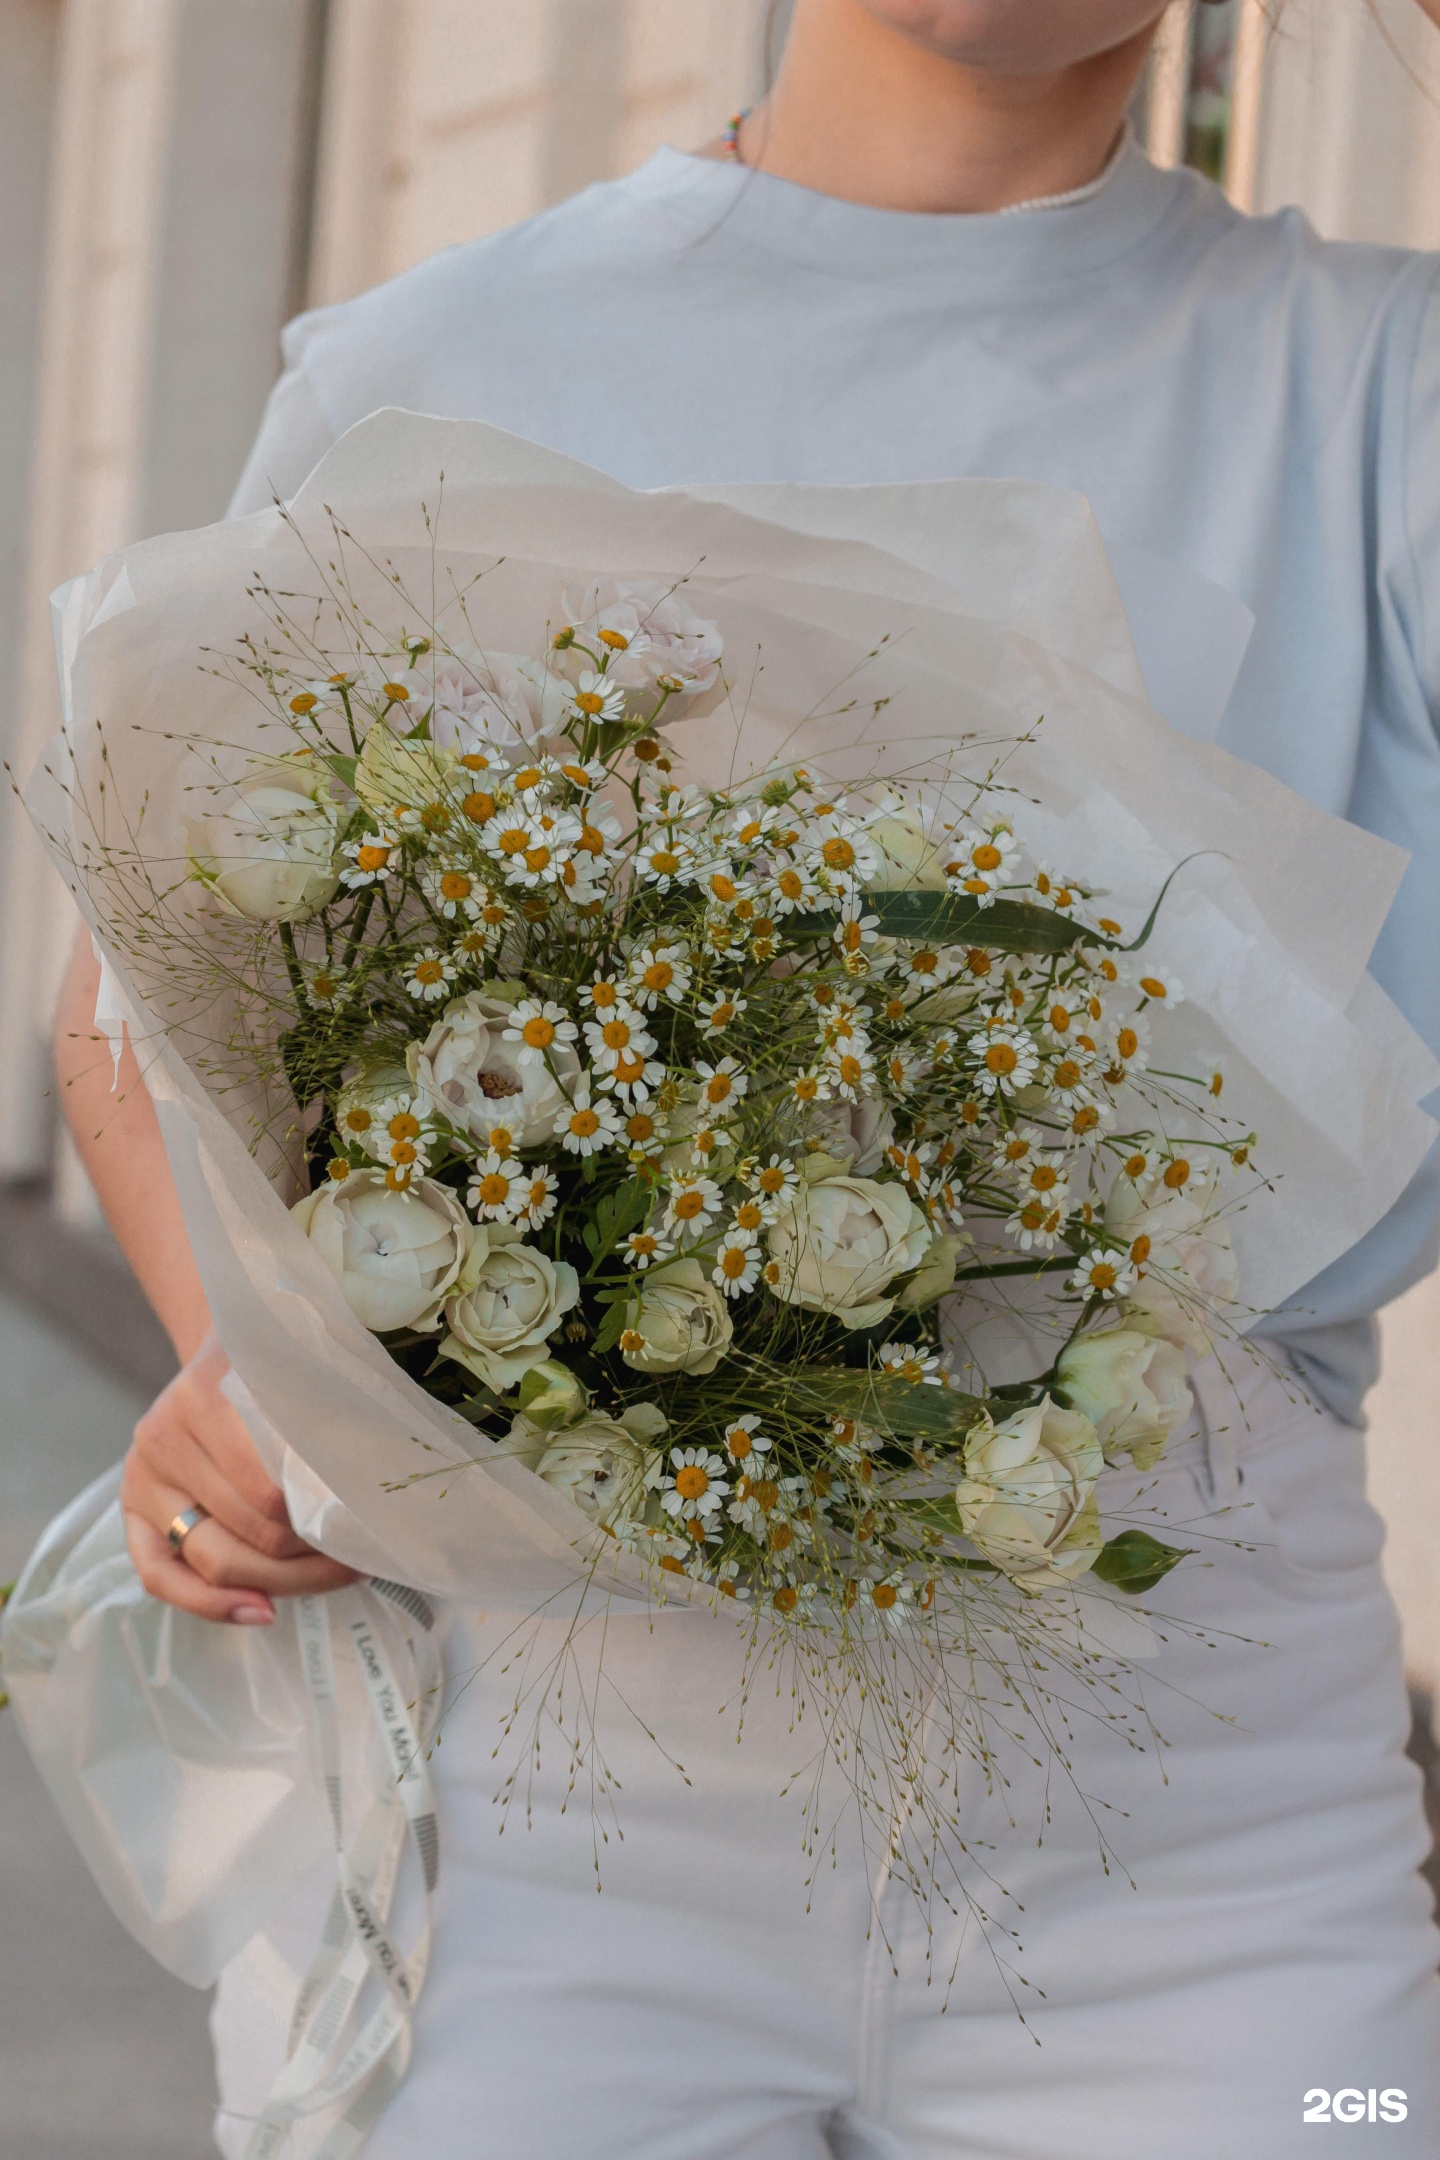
294 435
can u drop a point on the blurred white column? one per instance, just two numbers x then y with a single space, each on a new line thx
447 119
111 117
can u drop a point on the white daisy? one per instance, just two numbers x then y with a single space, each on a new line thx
595 698
539 1192
537 1026
737 1265
909 1361
693 1204
695 1485
429 974
370 859
722 1085
1103 1275
656 972
743 1440
644 1249
584 1126
719 1013
498 1187
454 892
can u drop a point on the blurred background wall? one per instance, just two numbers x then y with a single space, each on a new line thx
179 176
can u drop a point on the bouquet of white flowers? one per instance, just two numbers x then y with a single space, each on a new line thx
654 1129
679 1079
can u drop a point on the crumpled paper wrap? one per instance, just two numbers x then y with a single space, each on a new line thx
867 631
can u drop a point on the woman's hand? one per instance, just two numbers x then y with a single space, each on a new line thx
191 1449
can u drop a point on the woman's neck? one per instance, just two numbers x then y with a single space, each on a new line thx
862 112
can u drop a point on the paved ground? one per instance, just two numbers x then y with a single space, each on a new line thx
102 2055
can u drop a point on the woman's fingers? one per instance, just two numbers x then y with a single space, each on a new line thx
168 1458
166 1576
191 1435
218 1557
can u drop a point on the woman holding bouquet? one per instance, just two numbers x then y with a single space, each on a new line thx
934 251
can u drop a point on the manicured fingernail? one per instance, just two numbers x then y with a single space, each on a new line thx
251 1616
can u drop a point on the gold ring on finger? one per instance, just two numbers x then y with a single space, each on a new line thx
187 1520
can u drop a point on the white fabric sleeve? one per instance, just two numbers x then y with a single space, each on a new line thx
294 436
1422 502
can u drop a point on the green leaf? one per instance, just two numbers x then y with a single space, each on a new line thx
611 1328
897 1408
343 768
1016 926
1134 1561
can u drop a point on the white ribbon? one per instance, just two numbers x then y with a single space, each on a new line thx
336 2055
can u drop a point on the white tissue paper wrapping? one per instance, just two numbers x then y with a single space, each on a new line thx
867 630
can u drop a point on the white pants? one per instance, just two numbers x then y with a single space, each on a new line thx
1264 1934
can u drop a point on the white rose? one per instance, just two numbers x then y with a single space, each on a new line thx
664 636
1189 1271
1133 1389
838 1242
1027 1497
858 1132
604 1465
466 1072
909 859
393 775
683 1324
394 1255
267 850
507 1303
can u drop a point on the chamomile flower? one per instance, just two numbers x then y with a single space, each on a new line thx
771 1182
693 1204
1037 1223
454 892
429 974
327 987
1016 1147
743 1440
789 888
852 934
602 995
912 1362
1068 1082
1161 988
658 971
370 858
891 1600
1129 1047
595 698
537 1028
1005 1059
980 862
737 1264
498 1188
667 858
849 1069
721 1085
620 1035
586 1125
539 1192
645 1249
1103 1275
695 1484
719 1013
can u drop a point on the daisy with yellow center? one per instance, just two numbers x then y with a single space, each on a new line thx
737 1265
722 1085
913 1363
538 1195
693 1204
722 1013
696 1483
743 1440
644 1249
538 1028
658 972
595 699
585 1125
370 859
1005 1060
1103 1275
498 1188
429 975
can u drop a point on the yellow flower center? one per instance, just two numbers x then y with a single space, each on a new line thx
305 702
659 975
838 854
785 1599
719 1088
338 1169
1043 1178
1059 1019
733 1262
632 1340
1177 1173
539 1032
429 971
722 887
1067 1073
584 1123
641 1127
372 857
454 885
687 1205
691 1481
1152 986
536 858
357 1120
883 1596
738 1443
771 1179
1085 1120
590 703
1140 1251
791 884
852 1072
1127 1042
514 840
402 1126
494 1189
781 1536
615 1034
664 862
603 995
1102 1276
987 856
748 1215
615 639
396 692
479 807
629 1069
1001 1058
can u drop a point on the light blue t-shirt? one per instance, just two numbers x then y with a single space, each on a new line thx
1229 392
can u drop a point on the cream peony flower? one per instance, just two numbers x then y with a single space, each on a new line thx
1131 1386
683 1325
267 849
1180 1246
466 1072
484 701
392 775
664 639
838 1241
395 1255
1027 1497
507 1303
606 1466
